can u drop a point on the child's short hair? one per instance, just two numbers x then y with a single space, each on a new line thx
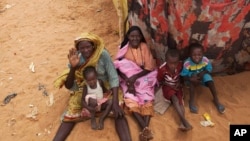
195 45
89 69
173 53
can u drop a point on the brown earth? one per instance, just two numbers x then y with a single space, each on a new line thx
42 32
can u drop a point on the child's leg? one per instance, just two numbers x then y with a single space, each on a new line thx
107 106
212 88
180 110
93 103
192 106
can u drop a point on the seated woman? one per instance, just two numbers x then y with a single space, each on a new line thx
137 70
89 51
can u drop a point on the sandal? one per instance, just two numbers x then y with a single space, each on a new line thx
193 109
220 107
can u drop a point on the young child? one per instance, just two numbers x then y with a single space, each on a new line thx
94 98
169 77
196 71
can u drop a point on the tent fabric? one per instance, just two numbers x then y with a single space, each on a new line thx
221 26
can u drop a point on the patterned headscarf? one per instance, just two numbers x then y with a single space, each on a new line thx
92 61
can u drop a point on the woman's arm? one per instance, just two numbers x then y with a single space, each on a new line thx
134 77
74 59
104 89
70 78
114 83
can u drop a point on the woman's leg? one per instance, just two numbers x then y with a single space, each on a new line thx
140 120
122 129
107 106
63 131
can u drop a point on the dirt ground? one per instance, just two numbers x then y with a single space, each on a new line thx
41 32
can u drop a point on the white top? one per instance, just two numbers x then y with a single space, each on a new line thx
97 92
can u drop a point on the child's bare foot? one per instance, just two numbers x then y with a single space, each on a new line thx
101 124
93 124
219 106
185 128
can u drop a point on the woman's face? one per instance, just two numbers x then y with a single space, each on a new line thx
86 49
196 55
134 38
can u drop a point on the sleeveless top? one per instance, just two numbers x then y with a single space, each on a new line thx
98 92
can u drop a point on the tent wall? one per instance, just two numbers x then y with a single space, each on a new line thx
221 26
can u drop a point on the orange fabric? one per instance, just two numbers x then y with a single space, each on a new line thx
140 56
133 106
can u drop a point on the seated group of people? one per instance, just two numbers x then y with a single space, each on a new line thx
97 83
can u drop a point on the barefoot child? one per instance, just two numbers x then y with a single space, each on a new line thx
93 99
169 77
196 71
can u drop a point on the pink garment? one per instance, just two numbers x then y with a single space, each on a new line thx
144 86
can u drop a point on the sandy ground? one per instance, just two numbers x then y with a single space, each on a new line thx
42 32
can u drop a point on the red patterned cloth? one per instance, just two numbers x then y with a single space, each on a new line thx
221 26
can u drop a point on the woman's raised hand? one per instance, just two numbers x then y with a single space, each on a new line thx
74 57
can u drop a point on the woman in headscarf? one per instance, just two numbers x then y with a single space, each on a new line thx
89 51
137 70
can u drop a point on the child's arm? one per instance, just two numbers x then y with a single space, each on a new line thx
160 73
84 104
208 67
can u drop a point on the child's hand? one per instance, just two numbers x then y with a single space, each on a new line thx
98 108
177 86
91 109
195 79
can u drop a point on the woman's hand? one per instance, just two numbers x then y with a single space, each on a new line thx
131 80
118 112
74 57
131 89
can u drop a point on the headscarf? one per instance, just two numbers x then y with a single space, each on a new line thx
92 61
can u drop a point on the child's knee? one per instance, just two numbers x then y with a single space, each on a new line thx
207 77
175 99
92 102
109 102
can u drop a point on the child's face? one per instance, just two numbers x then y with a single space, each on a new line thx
91 80
196 55
172 62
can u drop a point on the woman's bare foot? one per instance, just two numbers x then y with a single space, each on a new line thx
142 137
93 124
147 133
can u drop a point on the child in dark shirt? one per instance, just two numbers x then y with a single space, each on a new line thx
169 77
